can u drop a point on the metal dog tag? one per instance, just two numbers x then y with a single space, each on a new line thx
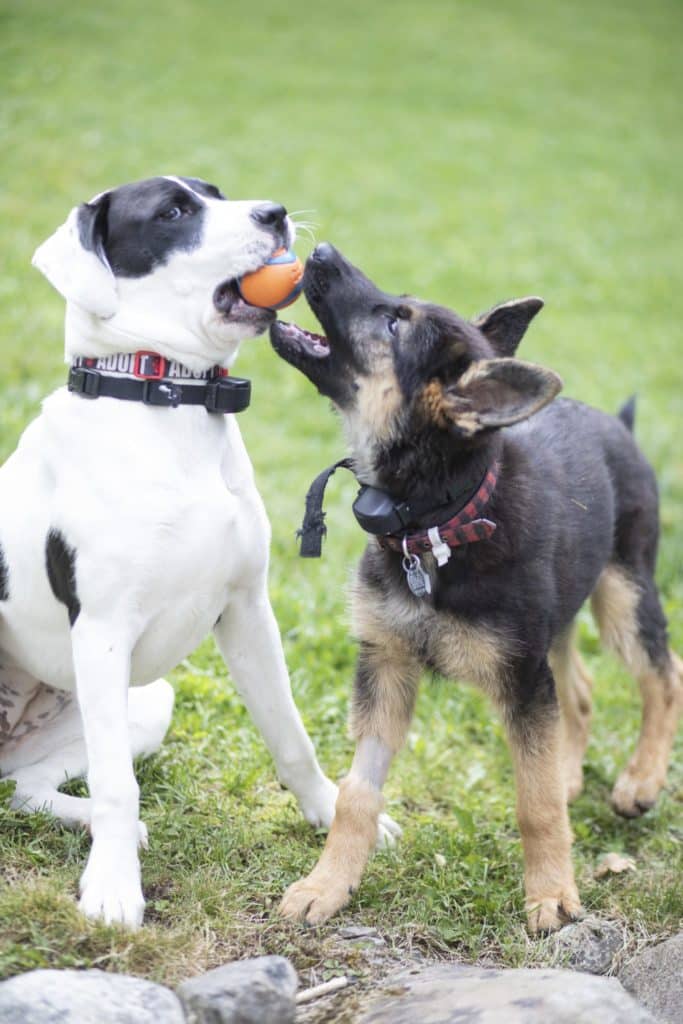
418 580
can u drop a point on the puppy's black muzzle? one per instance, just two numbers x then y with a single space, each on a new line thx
322 268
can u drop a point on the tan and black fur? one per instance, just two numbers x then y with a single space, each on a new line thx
422 394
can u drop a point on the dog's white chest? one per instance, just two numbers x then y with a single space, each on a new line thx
161 512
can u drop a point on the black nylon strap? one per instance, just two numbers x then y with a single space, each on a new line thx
223 394
379 513
313 528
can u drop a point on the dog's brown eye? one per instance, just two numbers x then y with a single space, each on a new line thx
172 214
392 326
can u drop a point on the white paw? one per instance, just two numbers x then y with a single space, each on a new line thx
318 801
110 885
388 831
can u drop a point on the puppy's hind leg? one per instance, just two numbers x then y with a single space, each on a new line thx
632 623
574 691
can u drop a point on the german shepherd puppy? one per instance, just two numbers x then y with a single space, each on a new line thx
495 514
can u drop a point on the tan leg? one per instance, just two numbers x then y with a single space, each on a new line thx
616 602
386 682
574 691
349 844
551 894
637 788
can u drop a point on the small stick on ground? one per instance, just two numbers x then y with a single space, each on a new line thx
334 985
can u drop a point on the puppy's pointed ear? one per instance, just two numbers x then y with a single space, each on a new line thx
505 325
75 262
492 393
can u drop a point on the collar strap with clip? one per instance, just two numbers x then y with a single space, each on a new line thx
389 519
466 527
152 379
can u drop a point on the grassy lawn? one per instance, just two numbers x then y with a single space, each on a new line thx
466 153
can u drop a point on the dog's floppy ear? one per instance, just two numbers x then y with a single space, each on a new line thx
491 393
75 262
506 324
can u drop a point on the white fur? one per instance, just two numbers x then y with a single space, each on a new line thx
76 272
171 539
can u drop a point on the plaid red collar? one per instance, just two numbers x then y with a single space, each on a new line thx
466 527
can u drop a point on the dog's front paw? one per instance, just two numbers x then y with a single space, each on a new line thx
550 913
388 832
110 885
317 803
315 899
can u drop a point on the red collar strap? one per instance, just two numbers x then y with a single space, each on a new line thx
466 527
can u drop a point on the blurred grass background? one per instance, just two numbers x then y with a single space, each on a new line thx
466 153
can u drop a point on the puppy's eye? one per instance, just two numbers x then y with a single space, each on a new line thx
172 214
392 326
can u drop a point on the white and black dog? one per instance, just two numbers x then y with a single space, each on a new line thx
130 524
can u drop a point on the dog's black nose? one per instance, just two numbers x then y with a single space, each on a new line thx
272 215
323 253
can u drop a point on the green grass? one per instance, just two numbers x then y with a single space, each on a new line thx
466 153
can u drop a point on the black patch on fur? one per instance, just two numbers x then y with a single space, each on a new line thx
60 560
132 228
92 226
204 188
4 576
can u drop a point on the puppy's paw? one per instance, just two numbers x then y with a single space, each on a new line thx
315 899
633 794
110 885
550 913
388 832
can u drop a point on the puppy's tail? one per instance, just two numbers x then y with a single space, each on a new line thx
627 413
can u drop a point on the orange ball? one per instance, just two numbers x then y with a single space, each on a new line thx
276 284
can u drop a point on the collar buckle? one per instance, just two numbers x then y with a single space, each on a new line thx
227 394
163 393
83 381
149 366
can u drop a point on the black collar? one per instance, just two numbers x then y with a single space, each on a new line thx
152 379
382 515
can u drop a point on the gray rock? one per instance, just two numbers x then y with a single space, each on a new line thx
86 997
257 991
655 978
589 945
454 994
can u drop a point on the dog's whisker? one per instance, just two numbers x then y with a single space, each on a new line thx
309 232
305 224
